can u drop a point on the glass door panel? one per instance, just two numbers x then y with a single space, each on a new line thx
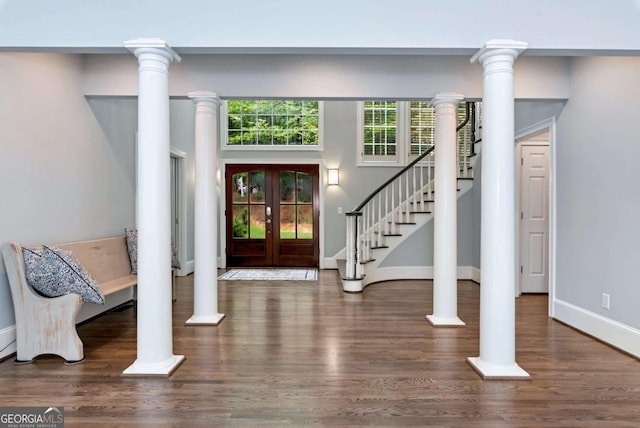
248 233
304 224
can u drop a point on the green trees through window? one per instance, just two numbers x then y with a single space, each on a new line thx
272 123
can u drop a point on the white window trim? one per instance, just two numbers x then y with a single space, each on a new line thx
402 110
224 135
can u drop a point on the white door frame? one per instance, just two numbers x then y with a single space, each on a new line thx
222 259
550 125
181 210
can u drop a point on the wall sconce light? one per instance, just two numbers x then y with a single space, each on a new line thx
333 176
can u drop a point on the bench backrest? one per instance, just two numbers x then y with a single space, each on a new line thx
105 259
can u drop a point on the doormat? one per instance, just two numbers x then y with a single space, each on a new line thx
271 274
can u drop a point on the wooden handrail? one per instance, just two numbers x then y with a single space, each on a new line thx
415 161
389 181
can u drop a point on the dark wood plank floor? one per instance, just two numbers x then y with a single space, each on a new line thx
306 354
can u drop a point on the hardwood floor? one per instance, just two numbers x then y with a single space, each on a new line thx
307 354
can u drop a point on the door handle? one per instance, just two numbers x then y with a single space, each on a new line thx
268 211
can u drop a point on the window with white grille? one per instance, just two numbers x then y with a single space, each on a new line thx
392 133
295 124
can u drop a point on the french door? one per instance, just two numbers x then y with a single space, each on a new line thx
272 214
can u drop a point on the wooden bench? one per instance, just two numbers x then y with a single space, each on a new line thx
47 325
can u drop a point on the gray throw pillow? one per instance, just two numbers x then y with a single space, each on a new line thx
32 257
132 248
175 262
59 272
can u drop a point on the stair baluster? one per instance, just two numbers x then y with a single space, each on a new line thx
393 203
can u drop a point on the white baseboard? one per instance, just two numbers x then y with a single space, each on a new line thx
415 272
330 263
475 274
609 331
188 268
7 341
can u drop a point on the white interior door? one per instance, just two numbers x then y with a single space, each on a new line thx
534 219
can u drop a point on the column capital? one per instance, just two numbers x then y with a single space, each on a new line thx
204 96
511 48
446 98
152 46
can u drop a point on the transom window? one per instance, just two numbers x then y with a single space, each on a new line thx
273 123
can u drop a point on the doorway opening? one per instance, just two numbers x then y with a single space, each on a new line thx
535 210
272 215
179 208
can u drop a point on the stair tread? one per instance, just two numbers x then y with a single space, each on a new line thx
364 262
392 234
465 178
403 222
420 212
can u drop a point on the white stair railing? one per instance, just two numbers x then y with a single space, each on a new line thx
378 215
395 202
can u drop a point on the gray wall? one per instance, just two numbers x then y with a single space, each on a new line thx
182 123
476 201
337 77
598 239
417 250
528 113
118 118
61 178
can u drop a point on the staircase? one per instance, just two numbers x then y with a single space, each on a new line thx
396 210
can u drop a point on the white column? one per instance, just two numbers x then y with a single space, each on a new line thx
155 337
445 221
497 231
205 277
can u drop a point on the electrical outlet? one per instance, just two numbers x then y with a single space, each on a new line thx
339 210
605 300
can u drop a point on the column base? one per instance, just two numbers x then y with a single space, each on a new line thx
489 371
445 322
352 285
164 368
204 319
